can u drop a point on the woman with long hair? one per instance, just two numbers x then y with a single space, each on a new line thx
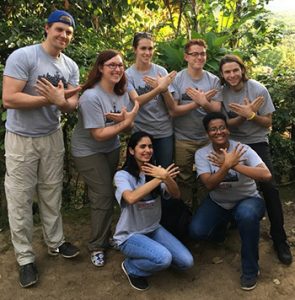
148 247
102 115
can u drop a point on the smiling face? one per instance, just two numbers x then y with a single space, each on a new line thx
233 75
58 35
196 57
218 133
112 70
143 151
144 51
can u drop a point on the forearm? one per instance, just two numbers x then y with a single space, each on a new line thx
172 187
144 98
22 100
259 173
175 109
136 195
213 180
235 122
106 133
69 104
212 106
263 121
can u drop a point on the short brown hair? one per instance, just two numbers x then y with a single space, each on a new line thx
199 42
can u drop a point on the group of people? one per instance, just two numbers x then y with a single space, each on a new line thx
179 121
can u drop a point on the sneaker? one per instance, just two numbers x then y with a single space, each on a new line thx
138 283
248 284
97 258
66 249
283 252
28 275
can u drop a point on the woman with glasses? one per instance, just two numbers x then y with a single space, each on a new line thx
102 115
153 116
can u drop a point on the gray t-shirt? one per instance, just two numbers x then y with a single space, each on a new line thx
189 126
94 103
153 116
141 217
235 186
28 64
248 132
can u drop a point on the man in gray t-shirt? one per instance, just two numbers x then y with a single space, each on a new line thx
229 170
188 129
39 82
249 108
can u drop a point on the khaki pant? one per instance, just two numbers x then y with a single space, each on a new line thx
98 171
186 179
34 166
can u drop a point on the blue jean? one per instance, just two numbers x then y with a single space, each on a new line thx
163 151
153 252
210 220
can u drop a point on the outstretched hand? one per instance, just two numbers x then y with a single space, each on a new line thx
232 158
160 81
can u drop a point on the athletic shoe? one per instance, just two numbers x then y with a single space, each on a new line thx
66 249
28 275
98 258
138 283
248 284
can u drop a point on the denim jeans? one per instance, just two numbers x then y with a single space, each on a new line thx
155 251
210 220
271 196
163 151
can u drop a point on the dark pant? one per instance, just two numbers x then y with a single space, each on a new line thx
271 196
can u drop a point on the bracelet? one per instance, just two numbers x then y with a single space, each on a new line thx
252 116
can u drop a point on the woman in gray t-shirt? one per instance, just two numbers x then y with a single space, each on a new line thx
148 247
102 115
153 116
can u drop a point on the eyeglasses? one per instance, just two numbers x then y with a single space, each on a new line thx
113 66
196 54
216 129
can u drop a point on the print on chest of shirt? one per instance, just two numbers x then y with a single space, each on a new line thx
230 178
54 79
147 202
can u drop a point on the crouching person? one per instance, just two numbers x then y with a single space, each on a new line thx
148 247
229 170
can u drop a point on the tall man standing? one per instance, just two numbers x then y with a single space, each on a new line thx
188 128
39 82
249 108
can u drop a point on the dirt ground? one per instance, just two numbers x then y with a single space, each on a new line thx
64 279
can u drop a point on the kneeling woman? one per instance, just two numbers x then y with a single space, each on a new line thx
148 247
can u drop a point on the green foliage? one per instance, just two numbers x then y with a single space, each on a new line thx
238 26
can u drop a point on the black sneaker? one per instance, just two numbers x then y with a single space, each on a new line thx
283 252
28 275
66 249
248 284
138 283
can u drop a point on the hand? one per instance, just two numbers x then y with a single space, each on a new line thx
130 116
116 117
216 159
161 81
71 92
210 94
199 97
231 159
54 95
243 110
256 103
155 171
173 170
